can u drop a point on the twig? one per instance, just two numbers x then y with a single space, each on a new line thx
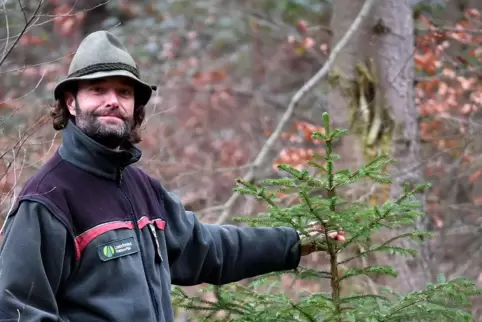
22 7
21 69
14 186
235 92
206 170
52 142
55 17
450 29
294 102
7 30
68 14
14 196
27 93
22 32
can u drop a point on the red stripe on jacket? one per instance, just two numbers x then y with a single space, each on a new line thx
84 239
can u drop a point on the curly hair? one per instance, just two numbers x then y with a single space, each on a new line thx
60 116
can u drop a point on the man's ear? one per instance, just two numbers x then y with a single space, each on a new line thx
70 102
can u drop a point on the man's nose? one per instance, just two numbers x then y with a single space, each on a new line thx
111 98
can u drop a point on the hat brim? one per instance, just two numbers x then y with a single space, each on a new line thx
143 90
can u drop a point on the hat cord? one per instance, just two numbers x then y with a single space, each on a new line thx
104 67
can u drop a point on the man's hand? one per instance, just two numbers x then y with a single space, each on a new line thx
316 235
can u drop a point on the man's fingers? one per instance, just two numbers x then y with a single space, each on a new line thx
315 229
313 226
333 234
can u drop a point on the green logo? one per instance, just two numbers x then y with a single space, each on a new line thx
108 251
117 248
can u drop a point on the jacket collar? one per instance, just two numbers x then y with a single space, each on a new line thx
84 152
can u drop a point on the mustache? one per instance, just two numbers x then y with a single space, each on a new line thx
113 112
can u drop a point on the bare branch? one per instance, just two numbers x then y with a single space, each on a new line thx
34 16
7 29
37 17
27 93
24 13
21 69
294 102
450 29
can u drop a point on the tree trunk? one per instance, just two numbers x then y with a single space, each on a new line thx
344 13
384 49
393 52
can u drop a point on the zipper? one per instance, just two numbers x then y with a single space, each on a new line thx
119 175
138 235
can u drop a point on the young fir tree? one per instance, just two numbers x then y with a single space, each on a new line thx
320 203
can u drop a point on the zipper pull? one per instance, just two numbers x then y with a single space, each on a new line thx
119 175
156 242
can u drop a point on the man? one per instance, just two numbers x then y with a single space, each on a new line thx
93 238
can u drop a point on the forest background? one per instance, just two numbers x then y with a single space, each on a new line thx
242 86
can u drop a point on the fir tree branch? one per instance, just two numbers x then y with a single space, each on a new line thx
310 207
263 153
465 288
305 272
375 249
401 308
309 317
385 270
363 297
378 220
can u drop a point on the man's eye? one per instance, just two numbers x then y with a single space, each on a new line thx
97 89
126 92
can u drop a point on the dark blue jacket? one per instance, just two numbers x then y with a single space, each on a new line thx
93 238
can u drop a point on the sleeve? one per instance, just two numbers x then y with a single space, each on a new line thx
33 264
221 254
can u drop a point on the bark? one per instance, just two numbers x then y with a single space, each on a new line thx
393 52
344 12
386 39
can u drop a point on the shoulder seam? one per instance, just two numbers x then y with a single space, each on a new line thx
48 172
52 208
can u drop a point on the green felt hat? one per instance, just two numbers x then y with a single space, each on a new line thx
102 54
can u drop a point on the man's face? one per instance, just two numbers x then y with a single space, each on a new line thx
104 109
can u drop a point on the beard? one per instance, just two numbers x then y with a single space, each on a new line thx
112 136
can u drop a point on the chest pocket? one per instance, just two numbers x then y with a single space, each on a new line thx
156 250
148 206
156 229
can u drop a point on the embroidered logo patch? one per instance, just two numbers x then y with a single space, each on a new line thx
118 248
